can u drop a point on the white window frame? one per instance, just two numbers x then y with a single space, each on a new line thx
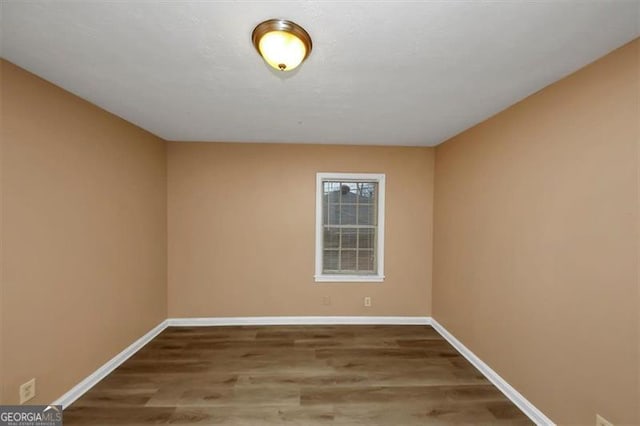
350 177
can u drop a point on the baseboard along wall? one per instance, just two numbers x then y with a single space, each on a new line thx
91 380
516 397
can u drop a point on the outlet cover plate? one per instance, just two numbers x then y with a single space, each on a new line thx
27 391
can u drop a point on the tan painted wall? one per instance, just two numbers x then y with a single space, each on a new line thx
536 237
241 230
84 235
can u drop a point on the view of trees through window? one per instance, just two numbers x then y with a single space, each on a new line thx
349 221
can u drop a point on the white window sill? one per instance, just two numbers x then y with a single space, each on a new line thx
349 278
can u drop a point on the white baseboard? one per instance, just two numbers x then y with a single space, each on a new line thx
351 320
516 397
90 381
520 401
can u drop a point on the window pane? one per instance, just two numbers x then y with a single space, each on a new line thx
333 214
331 238
348 214
330 190
325 211
348 205
365 260
348 260
331 203
347 190
366 215
349 237
366 238
367 192
330 260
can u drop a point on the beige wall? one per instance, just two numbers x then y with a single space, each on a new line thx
241 230
536 237
84 235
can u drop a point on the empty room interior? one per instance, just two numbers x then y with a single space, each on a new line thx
319 212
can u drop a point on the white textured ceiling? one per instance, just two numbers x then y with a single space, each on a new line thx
393 73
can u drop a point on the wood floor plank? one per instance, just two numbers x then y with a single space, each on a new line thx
295 375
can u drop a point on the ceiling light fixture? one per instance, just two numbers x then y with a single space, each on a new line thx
283 44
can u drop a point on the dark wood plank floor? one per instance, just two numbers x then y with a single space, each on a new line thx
295 375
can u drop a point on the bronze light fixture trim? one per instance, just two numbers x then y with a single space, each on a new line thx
282 44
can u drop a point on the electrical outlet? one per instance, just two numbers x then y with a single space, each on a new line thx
27 391
367 302
601 421
326 301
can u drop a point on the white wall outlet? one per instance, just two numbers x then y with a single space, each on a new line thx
326 301
601 421
367 302
27 391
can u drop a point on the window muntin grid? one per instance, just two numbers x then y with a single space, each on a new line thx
349 225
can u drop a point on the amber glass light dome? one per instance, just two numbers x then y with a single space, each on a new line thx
282 44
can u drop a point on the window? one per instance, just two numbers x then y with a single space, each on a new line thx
349 227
